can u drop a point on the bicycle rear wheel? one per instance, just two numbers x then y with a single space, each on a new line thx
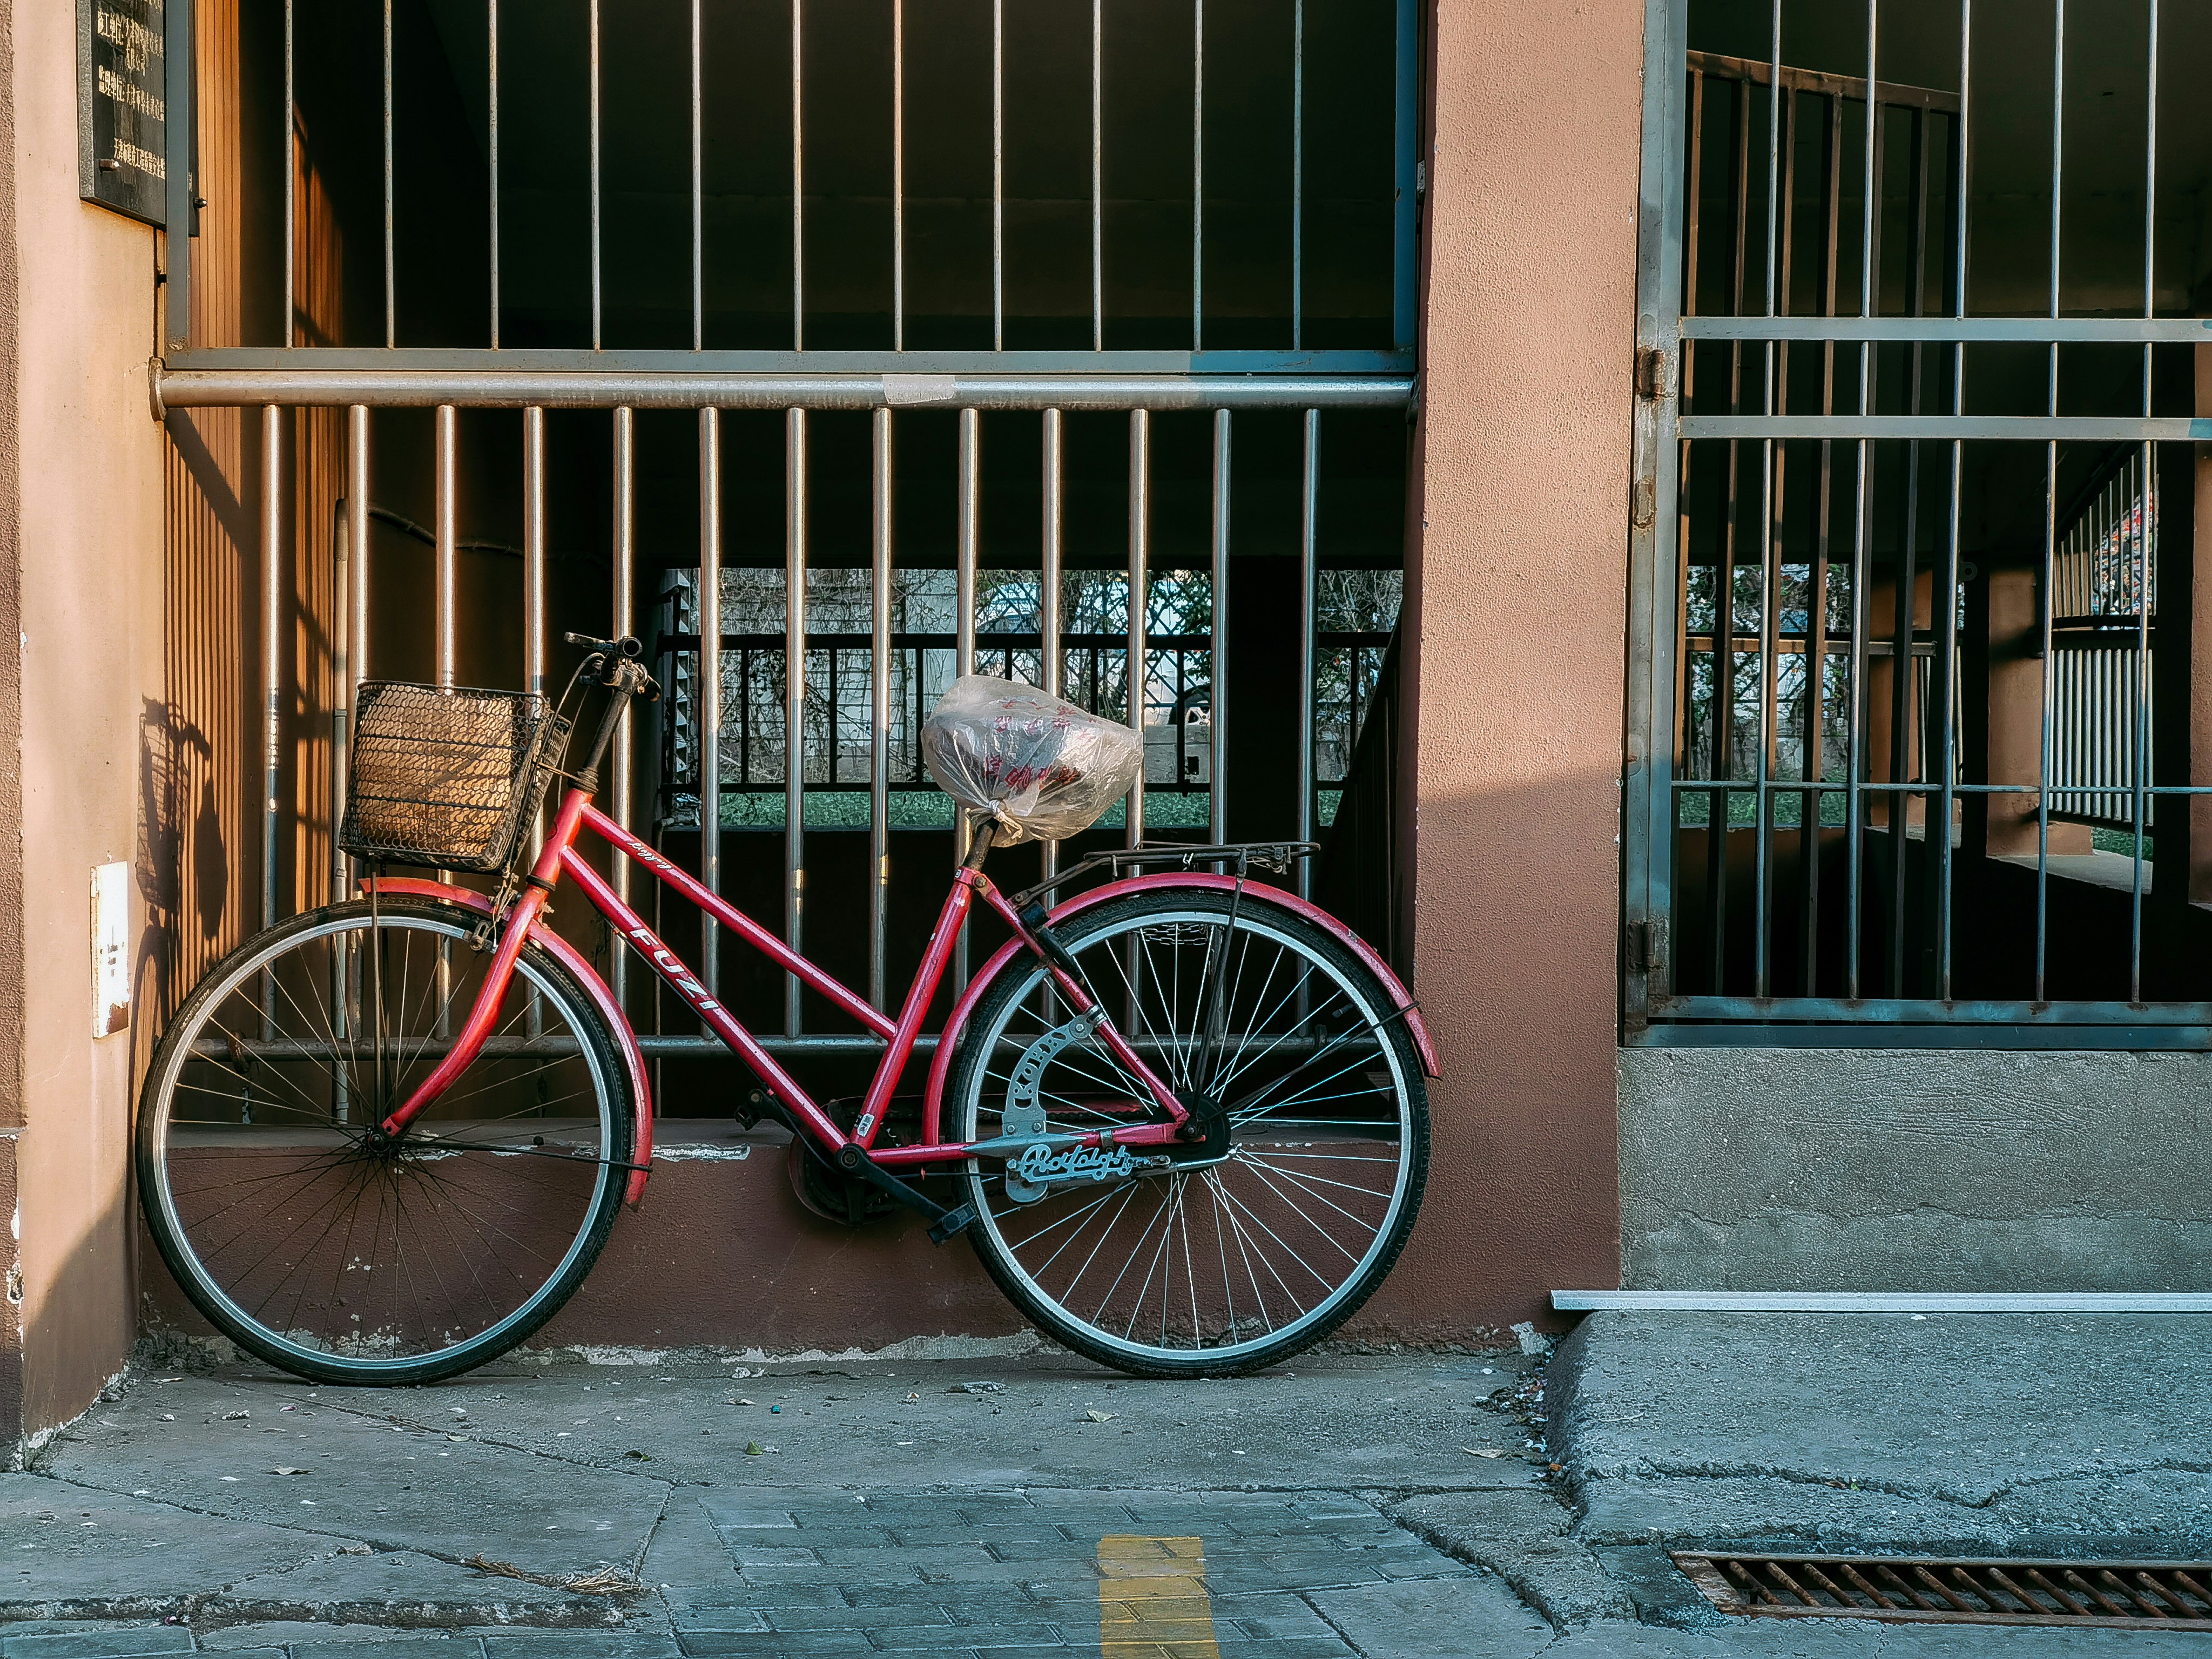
1249 1249
312 1240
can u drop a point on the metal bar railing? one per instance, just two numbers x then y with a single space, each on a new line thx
795 704
1048 566
391 240
1308 601
1217 784
595 161
1134 669
879 703
275 586
710 687
798 175
624 620
1097 175
491 157
1298 174
969 548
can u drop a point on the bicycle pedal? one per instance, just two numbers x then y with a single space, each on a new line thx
951 1224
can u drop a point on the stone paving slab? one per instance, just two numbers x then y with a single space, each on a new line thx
1984 1433
218 1446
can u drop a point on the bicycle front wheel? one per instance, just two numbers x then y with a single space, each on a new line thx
1254 1246
312 1240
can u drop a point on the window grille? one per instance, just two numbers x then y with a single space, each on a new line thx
1917 370
504 226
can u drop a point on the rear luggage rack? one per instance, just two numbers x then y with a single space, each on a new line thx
1275 855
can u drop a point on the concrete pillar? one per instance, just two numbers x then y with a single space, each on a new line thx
1513 634
81 591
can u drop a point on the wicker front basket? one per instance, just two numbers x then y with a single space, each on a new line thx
445 776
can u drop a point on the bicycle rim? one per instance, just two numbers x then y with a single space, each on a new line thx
1243 1259
305 1238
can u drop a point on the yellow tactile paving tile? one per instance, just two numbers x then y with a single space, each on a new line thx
1152 1601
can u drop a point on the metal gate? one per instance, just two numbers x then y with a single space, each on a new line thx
1885 771
278 386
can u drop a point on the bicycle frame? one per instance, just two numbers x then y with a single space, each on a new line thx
560 857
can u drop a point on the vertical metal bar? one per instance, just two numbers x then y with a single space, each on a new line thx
177 76
1197 173
2050 504
1962 173
794 702
1811 813
1770 531
288 332
446 568
1217 694
625 622
798 177
998 174
342 679
2146 523
273 589
1904 682
1098 176
391 287
698 183
533 550
1405 207
1861 613
357 487
1719 810
1308 622
491 145
1297 176
880 734
898 175
533 613
710 687
1134 671
963 627
1049 581
594 45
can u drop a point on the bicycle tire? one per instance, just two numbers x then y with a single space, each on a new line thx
1217 1339
328 1334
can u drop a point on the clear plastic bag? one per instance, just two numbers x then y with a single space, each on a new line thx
1040 766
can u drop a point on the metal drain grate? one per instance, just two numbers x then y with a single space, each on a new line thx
2130 1595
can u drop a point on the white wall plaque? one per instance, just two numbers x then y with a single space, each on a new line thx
111 949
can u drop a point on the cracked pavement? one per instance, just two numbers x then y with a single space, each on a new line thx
1029 1503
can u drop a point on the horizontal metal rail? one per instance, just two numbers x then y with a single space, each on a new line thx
398 388
2034 330
1946 428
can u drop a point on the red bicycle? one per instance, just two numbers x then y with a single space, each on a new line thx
384 1141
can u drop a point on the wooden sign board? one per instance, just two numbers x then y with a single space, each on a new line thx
122 101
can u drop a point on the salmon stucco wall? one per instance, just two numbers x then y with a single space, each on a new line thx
1514 636
81 528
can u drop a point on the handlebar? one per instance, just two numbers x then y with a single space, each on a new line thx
629 646
620 668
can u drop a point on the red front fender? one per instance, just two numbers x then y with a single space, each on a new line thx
595 987
1256 892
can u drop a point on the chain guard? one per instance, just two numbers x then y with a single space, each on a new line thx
1036 1172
